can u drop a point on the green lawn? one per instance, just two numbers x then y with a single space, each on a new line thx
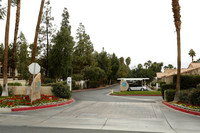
138 93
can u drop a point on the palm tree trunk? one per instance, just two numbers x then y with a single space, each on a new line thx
177 22
15 38
177 94
5 61
36 37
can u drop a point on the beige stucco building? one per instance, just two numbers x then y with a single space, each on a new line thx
168 74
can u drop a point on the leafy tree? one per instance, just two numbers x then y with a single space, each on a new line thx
61 52
177 22
45 36
94 73
83 51
2 11
23 57
122 70
115 66
170 66
192 54
128 62
104 63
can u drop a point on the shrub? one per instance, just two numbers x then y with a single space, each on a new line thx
48 80
170 93
1 89
15 84
166 87
188 81
194 97
184 96
93 84
61 91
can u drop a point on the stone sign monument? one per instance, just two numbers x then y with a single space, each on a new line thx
124 85
36 88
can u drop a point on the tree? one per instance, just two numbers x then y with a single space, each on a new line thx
128 61
18 2
104 63
192 54
61 52
83 51
45 36
122 70
115 66
2 11
177 22
36 36
23 57
170 66
5 64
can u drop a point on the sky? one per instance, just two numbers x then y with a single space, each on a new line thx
141 29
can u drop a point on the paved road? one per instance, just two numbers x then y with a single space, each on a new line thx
96 111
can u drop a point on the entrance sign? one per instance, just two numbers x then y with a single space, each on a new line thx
124 85
35 88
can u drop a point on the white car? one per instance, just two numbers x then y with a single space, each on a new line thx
137 88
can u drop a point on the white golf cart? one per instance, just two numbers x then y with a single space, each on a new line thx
136 84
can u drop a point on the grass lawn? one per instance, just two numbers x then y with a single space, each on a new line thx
138 93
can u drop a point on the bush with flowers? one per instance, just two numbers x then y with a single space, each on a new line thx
23 100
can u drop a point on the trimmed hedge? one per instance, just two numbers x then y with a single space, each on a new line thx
170 93
194 97
1 89
93 84
184 96
188 81
15 84
61 91
166 87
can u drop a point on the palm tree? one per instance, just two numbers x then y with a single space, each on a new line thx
18 2
2 11
36 35
192 54
5 61
128 61
177 22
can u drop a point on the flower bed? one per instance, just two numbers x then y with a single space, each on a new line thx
187 106
22 100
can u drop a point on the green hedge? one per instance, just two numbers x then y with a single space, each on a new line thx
170 93
194 97
61 91
15 84
166 87
1 89
188 81
93 84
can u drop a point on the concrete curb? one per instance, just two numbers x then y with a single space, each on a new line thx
180 109
132 95
42 106
94 88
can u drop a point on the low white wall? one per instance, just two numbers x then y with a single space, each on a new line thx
22 90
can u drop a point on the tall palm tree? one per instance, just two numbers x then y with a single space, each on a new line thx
15 37
177 22
128 61
2 11
5 61
36 35
192 54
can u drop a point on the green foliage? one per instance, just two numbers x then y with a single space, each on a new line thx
2 11
48 80
61 91
115 66
75 86
194 97
93 84
167 87
188 81
1 89
170 93
94 73
23 57
15 84
61 53
184 96
78 77
83 51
